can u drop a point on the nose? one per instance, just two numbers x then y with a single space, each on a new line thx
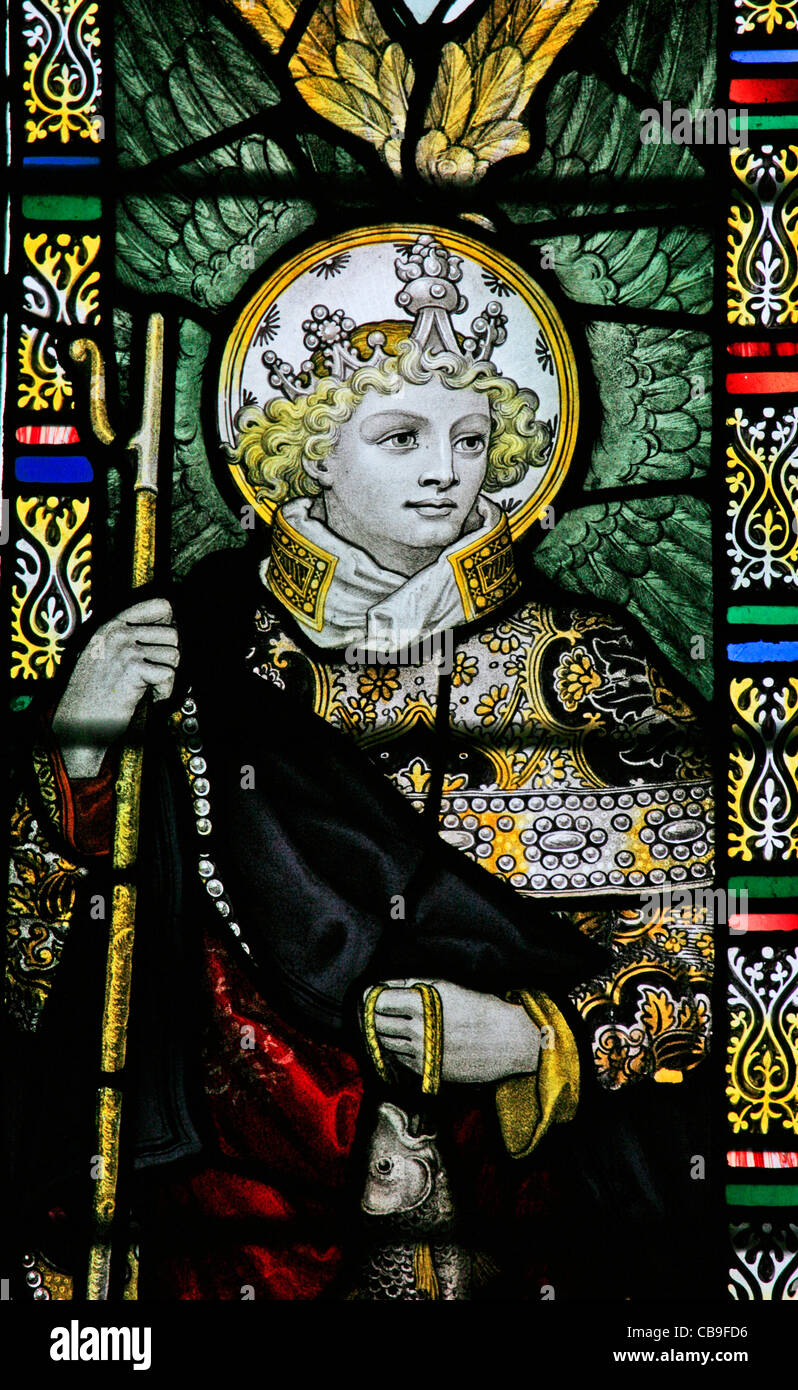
438 463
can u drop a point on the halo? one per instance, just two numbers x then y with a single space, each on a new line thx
355 271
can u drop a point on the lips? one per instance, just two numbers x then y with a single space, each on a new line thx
433 508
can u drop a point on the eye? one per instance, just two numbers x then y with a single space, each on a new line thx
471 443
401 440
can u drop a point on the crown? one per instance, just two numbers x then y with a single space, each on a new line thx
429 276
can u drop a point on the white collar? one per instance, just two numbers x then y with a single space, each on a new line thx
342 597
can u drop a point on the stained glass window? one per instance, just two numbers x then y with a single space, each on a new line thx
399 522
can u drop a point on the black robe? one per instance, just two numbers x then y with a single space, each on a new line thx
313 851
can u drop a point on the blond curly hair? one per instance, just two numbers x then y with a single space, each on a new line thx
273 442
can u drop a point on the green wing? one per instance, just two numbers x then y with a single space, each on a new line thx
653 382
654 386
182 78
654 50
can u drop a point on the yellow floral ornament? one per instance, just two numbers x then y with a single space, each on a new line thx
487 709
379 683
464 670
576 677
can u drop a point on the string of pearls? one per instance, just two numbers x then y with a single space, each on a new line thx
191 752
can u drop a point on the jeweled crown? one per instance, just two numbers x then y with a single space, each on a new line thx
429 275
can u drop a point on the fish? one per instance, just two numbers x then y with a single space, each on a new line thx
414 1250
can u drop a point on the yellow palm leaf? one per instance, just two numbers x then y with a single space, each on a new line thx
357 20
657 1012
315 54
547 39
347 71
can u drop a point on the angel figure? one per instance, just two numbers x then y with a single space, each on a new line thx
393 940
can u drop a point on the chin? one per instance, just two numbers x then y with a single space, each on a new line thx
430 531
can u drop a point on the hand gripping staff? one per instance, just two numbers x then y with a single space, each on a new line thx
119 960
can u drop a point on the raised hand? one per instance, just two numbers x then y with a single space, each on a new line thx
136 651
484 1038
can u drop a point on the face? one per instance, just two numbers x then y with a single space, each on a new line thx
406 472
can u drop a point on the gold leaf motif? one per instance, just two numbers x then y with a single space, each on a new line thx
500 139
348 107
539 29
347 71
657 1012
395 83
484 86
357 20
358 64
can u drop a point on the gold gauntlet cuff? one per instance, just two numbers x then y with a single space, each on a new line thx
527 1106
433 1036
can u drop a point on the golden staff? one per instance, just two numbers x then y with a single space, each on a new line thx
119 961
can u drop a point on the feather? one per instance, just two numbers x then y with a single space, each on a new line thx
227 82
140 147
653 429
235 216
497 140
197 117
498 80
528 25
511 48
358 65
395 79
357 20
315 50
165 129
543 40
207 216
665 583
139 253
270 19
347 107
644 43
450 102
